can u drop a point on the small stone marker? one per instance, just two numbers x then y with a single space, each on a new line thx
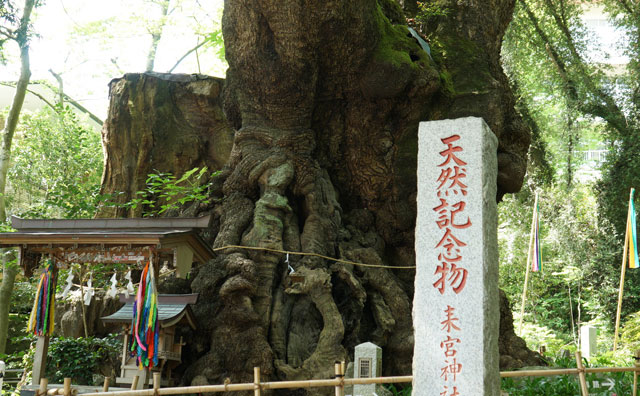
455 307
588 341
368 364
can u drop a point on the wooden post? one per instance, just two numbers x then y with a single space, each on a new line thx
529 254
43 387
156 381
636 364
40 359
134 382
343 370
581 374
67 386
105 386
256 381
622 271
337 373
84 309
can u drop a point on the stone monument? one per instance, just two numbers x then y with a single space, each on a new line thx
367 364
588 341
455 307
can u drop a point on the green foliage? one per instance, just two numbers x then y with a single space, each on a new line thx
564 293
80 358
536 386
57 166
429 10
630 332
166 192
400 390
22 297
568 385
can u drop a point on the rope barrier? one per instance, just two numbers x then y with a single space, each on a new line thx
313 255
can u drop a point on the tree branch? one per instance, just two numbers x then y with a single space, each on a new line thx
8 33
58 78
187 54
67 98
42 98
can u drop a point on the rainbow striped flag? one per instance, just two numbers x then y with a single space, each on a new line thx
631 234
536 257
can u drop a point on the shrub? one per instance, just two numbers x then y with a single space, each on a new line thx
80 358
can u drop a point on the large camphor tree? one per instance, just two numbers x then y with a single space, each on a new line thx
321 102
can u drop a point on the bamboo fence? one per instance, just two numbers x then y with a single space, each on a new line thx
339 382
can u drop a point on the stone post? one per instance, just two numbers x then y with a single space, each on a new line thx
455 307
368 364
588 341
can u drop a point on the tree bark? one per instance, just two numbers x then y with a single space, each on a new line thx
160 122
9 272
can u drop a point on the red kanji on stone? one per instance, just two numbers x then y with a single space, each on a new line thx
445 392
446 216
453 175
448 324
448 241
452 369
448 346
449 153
451 273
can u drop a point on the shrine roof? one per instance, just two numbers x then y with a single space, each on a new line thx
159 232
172 309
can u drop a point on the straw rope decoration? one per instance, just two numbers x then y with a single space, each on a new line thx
145 325
42 314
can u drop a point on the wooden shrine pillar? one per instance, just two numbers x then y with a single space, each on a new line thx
40 359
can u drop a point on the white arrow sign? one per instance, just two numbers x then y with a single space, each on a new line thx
608 382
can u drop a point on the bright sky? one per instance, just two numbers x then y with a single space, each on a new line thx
85 60
606 34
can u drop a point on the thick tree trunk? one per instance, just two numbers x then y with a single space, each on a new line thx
326 99
160 122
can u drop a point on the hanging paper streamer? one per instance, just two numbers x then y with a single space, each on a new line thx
129 290
90 292
42 314
112 290
145 324
67 288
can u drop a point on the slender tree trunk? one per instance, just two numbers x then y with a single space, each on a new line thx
10 271
16 105
156 35
570 150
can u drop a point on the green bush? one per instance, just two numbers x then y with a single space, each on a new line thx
22 297
80 358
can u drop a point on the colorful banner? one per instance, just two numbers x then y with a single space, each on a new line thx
536 258
42 314
145 325
631 233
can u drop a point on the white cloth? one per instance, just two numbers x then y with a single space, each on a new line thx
113 290
67 288
88 295
129 290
